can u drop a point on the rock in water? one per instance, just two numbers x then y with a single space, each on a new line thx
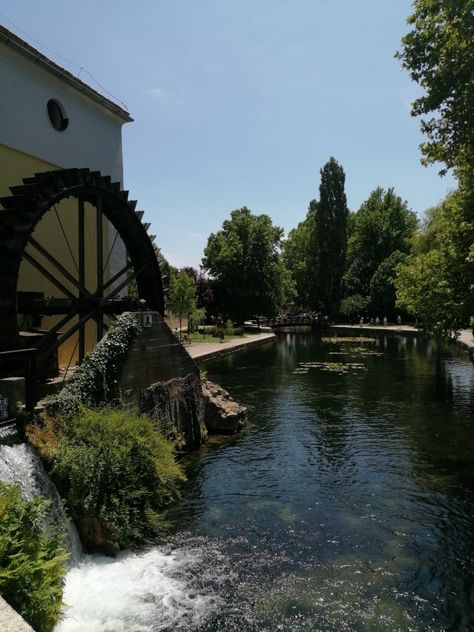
222 414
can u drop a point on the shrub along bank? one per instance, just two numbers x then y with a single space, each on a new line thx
115 472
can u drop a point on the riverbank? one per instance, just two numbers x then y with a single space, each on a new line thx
201 351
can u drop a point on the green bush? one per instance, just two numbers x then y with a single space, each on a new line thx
32 562
229 328
95 382
116 473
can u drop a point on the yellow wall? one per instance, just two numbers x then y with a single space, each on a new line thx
49 232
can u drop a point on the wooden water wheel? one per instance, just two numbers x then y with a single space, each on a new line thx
78 298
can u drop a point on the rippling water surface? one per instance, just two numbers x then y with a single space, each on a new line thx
347 504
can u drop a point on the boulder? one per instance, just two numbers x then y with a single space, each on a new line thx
222 414
177 407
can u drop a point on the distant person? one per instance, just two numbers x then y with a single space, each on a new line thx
377 321
385 321
399 321
361 321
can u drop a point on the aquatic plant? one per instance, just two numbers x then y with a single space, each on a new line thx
32 562
334 340
331 367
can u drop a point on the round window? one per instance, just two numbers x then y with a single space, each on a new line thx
57 115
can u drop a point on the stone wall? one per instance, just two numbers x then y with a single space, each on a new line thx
161 380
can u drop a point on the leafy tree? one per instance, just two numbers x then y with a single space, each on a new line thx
296 255
382 285
354 305
439 55
435 284
244 260
196 318
182 296
383 225
329 237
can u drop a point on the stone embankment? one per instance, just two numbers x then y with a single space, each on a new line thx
10 620
200 351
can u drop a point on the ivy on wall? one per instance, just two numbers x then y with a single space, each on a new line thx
95 382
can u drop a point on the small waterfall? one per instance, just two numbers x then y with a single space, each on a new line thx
21 465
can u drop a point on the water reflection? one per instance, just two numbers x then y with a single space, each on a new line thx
356 487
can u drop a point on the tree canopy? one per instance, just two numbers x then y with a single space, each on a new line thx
439 55
330 236
435 284
182 296
381 227
315 251
244 260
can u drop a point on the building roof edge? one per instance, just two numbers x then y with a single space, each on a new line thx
25 49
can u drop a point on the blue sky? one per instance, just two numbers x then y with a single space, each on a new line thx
241 102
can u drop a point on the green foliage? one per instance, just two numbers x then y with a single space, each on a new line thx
196 318
435 284
182 296
32 562
315 251
96 381
116 473
329 243
245 261
296 255
229 328
354 305
382 226
382 285
439 55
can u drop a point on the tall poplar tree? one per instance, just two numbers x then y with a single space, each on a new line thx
330 236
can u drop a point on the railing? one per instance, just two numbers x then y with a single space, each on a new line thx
29 373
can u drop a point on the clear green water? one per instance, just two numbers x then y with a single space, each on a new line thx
348 503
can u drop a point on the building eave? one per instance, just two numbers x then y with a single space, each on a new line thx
26 50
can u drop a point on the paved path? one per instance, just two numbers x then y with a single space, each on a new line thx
206 350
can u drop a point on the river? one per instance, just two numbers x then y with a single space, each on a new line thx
346 504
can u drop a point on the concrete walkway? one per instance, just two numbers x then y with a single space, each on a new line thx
206 350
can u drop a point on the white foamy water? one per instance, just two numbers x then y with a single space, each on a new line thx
157 590
21 465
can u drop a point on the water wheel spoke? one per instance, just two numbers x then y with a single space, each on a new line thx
110 252
46 352
100 247
50 336
124 283
46 273
65 238
67 275
81 270
118 275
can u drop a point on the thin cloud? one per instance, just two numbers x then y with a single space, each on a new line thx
187 233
